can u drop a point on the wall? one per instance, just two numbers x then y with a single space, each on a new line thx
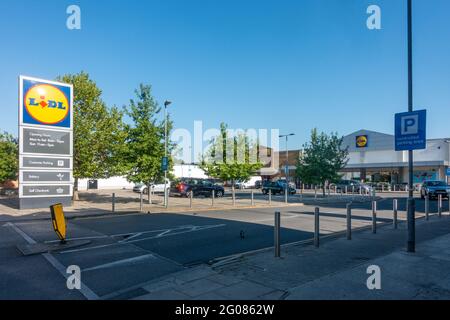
188 171
111 183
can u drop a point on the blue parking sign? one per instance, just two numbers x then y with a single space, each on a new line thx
410 130
165 163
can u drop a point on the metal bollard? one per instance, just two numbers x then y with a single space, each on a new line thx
270 196
353 190
191 194
427 207
167 198
234 197
374 217
141 207
346 190
316 227
440 205
277 234
113 202
253 198
395 207
286 195
315 192
213 195
349 221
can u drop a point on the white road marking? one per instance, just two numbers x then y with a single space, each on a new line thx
20 232
161 234
85 290
81 238
169 232
121 262
91 248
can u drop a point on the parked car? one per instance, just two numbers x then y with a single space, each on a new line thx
351 186
258 184
155 187
291 184
250 183
196 187
433 189
276 187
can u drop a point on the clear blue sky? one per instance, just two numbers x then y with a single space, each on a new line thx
288 64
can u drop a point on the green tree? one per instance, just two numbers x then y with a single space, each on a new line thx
145 138
322 159
99 134
8 157
231 157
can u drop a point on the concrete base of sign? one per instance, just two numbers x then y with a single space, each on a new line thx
43 203
38 248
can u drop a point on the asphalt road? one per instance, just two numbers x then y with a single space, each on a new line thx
130 250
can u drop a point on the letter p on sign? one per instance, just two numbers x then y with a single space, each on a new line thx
410 124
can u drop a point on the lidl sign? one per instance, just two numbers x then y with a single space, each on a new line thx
45 143
362 141
45 103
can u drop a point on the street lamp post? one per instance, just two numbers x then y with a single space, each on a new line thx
287 157
166 104
411 203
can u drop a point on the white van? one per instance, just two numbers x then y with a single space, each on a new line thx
251 183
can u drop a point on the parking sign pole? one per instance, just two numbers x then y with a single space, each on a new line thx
411 203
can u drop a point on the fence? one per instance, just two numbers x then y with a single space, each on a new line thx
348 216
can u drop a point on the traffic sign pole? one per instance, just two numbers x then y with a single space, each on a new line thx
411 245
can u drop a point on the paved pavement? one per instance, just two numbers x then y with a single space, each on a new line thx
128 253
337 270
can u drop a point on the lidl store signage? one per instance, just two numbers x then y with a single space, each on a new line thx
46 140
362 141
46 103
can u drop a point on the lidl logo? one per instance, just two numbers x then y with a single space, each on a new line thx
46 104
362 141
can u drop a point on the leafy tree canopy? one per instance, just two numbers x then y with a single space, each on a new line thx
231 157
99 134
322 159
8 157
145 138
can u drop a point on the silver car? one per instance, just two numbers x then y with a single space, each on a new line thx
155 187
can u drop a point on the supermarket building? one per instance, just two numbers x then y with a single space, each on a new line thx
372 157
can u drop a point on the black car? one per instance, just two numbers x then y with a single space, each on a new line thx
277 187
196 187
433 189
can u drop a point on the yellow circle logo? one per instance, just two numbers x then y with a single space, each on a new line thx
361 141
46 104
